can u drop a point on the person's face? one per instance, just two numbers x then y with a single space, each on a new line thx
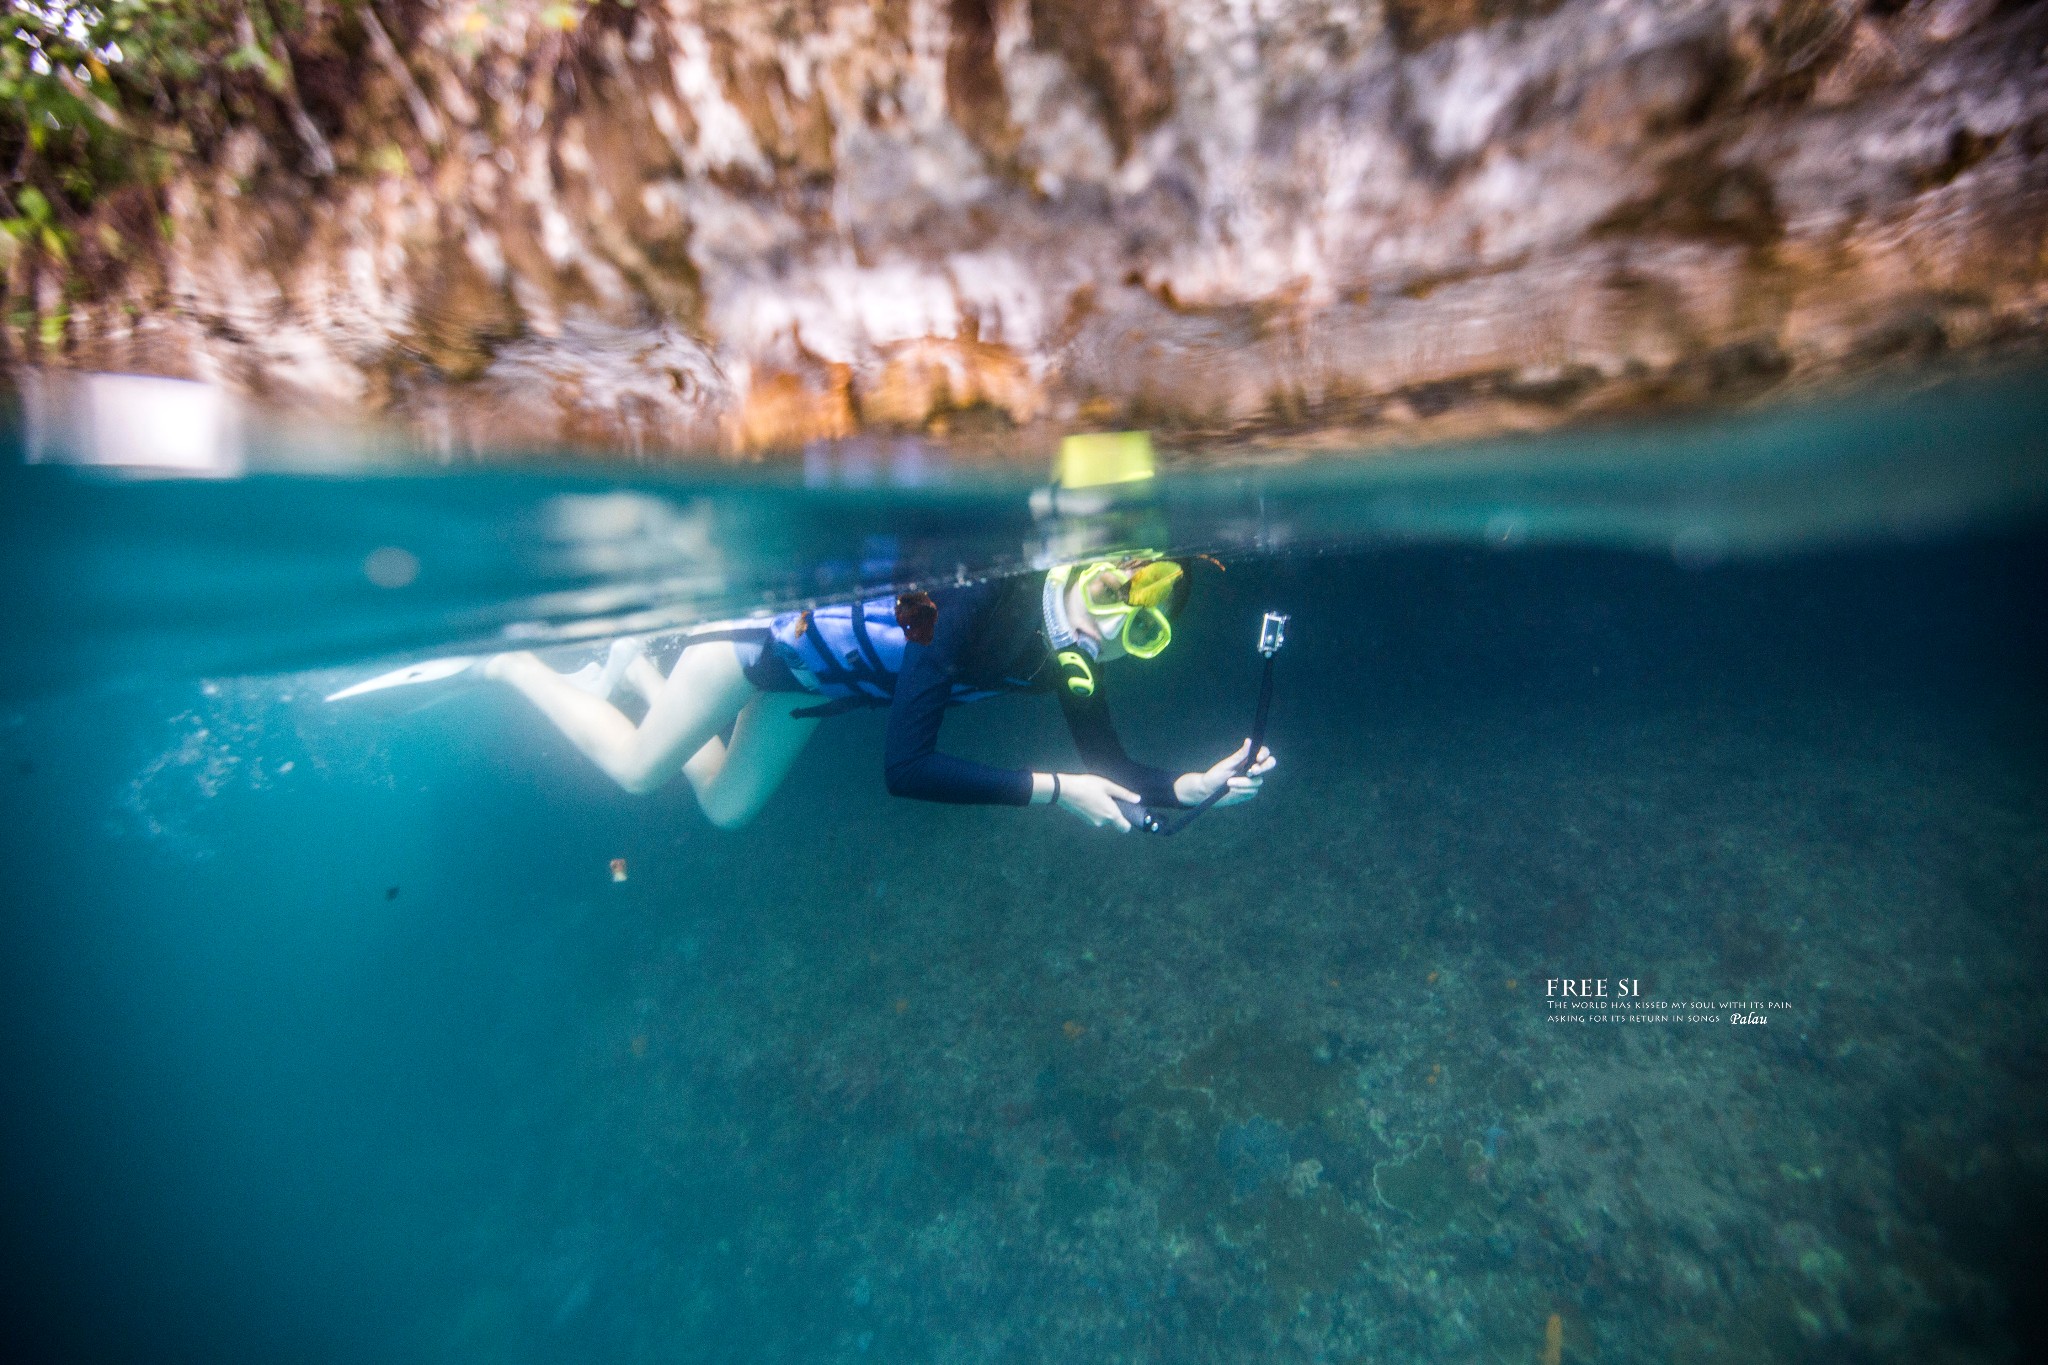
1084 600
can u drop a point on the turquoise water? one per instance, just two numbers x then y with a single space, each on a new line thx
330 1035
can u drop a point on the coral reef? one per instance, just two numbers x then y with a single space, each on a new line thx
1315 1109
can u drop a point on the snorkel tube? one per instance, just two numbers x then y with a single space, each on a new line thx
1272 635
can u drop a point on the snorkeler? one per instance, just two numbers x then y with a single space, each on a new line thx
773 680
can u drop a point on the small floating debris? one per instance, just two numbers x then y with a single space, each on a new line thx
618 869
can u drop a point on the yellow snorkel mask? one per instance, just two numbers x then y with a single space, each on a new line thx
1128 604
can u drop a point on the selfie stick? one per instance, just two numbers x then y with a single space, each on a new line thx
1272 635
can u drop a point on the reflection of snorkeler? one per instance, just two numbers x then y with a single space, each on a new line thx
771 680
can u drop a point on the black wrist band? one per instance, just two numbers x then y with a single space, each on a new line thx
1055 789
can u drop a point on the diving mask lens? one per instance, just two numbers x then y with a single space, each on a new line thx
1108 595
1147 633
1100 591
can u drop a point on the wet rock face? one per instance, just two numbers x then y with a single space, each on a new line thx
757 225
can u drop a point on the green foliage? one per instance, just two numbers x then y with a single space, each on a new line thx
33 224
97 94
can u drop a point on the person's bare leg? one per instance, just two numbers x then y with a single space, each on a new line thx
734 782
701 696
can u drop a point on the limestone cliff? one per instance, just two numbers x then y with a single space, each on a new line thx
752 225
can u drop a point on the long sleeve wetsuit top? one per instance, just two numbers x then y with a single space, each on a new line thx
992 634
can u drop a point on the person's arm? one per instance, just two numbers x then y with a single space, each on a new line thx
911 762
1103 753
914 767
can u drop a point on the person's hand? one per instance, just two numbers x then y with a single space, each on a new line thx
1194 788
1094 799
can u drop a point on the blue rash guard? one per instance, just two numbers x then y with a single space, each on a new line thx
983 632
988 639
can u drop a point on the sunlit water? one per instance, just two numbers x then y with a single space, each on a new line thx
330 1035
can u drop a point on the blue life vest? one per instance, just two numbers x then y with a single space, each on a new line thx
850 653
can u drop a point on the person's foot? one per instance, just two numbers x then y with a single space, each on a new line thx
603 680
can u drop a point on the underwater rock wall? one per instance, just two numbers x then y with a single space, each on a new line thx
758 225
